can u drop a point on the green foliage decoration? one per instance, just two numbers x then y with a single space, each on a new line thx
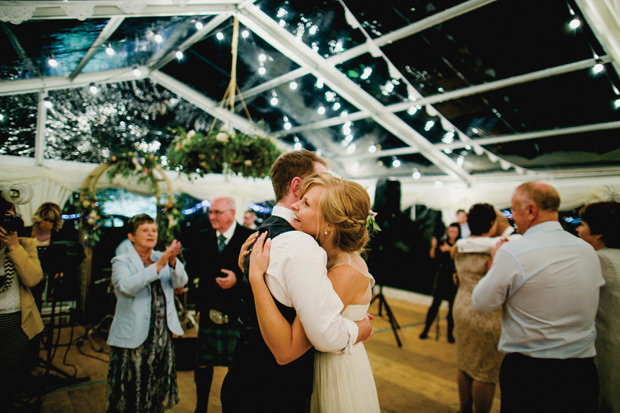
126 164
92 217
134 163
220 151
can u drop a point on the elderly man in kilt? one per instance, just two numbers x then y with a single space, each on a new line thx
213 259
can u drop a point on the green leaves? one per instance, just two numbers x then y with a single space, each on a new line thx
220 151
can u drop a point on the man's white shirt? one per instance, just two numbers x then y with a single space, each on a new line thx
548 282
297 277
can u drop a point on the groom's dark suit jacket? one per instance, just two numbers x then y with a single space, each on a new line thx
255 381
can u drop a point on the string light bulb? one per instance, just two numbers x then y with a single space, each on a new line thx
245 34
199 25
109 51
396 163
52 62
179 55
575 23
598 68
293 85
372 148
136 71
93 88
416 174
47 103
158 38
321 110
220 36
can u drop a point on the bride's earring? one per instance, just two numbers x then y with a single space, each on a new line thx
325 233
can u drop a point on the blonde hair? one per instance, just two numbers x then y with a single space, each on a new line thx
51 211
345 205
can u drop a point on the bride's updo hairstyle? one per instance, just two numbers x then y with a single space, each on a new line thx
345 206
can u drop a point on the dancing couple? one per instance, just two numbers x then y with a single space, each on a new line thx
306 288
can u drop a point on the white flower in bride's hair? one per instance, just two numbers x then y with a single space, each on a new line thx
222 137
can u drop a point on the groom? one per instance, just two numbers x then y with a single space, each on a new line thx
255 381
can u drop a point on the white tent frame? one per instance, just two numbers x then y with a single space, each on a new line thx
601 14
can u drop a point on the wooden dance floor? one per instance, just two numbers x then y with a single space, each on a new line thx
419 377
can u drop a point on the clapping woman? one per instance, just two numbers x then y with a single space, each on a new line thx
142 373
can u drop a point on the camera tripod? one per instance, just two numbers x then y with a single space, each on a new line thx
390 315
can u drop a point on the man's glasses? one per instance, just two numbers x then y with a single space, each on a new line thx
216 212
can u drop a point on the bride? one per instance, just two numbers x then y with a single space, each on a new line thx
334 212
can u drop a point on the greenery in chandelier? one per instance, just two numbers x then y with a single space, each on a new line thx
220 151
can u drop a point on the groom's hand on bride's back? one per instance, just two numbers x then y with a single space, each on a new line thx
365 329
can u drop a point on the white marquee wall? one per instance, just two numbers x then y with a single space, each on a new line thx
56 180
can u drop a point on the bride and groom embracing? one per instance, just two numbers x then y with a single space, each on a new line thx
306 288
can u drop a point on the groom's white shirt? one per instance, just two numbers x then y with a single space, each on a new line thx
297 277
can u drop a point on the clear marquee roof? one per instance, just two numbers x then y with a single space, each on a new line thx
446 90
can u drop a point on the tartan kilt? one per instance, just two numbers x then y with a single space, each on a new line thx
216 343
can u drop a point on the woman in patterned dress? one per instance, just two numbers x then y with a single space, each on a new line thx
477 335
142 374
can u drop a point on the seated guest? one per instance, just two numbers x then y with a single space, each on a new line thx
547 284
600 227
477 335
20 320
142 375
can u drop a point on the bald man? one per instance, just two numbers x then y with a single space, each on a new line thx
548 284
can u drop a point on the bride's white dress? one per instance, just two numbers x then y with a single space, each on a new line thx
344 383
